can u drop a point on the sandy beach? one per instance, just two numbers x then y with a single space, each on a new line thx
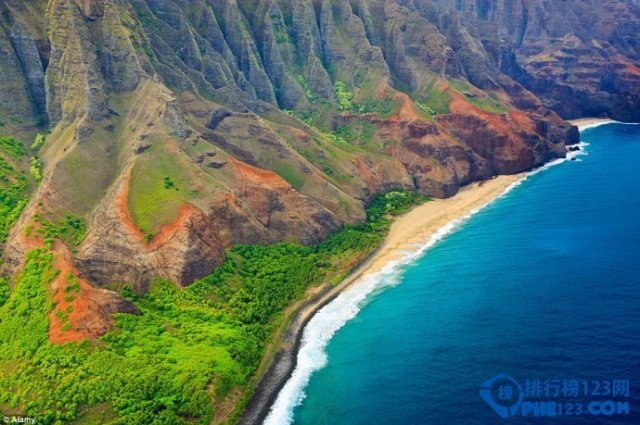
408 233
417 226
584 123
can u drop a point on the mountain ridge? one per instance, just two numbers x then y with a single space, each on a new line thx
174 174
180 129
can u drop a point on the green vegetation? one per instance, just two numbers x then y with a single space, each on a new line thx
383 107
187 347
292 176
11 147
14 185
307 90
70 229
347 103
280 30
168 183
361 133
343 96
4 291
307 116
340 142
480 100
318 115
84 173
433 101
38 142
71 288
13 199
320 112
426 109
158 188
35 168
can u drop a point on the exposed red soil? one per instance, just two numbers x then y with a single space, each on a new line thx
167 231
407 111
32 241
172 148
92 309
258 175
459 105
86 319
364 170
122 210
630 67
80 305
522 121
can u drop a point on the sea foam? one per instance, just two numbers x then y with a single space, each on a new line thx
584 127
328 320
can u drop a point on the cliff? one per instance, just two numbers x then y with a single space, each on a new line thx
181 128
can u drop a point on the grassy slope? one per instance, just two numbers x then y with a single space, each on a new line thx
189 346
434 100
159 187
203 343
479 99
85 173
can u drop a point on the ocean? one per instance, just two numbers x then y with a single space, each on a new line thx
539 289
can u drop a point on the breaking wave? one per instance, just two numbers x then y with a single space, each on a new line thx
328 320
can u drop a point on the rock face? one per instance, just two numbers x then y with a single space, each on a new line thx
580 57
180 128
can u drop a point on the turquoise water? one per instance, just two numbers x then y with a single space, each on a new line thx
543 283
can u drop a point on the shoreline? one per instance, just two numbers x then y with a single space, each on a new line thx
413 229
586 123
408 233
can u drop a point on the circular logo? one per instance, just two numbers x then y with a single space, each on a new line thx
503 394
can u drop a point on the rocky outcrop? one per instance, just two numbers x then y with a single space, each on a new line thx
27 53
22 96
181 128
580 57
121 65
277 51
74 85
413 44
116 250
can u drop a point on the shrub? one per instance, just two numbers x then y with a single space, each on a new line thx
168 183
38 142
343 96
35 168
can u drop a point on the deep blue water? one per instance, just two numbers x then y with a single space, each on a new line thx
544 283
